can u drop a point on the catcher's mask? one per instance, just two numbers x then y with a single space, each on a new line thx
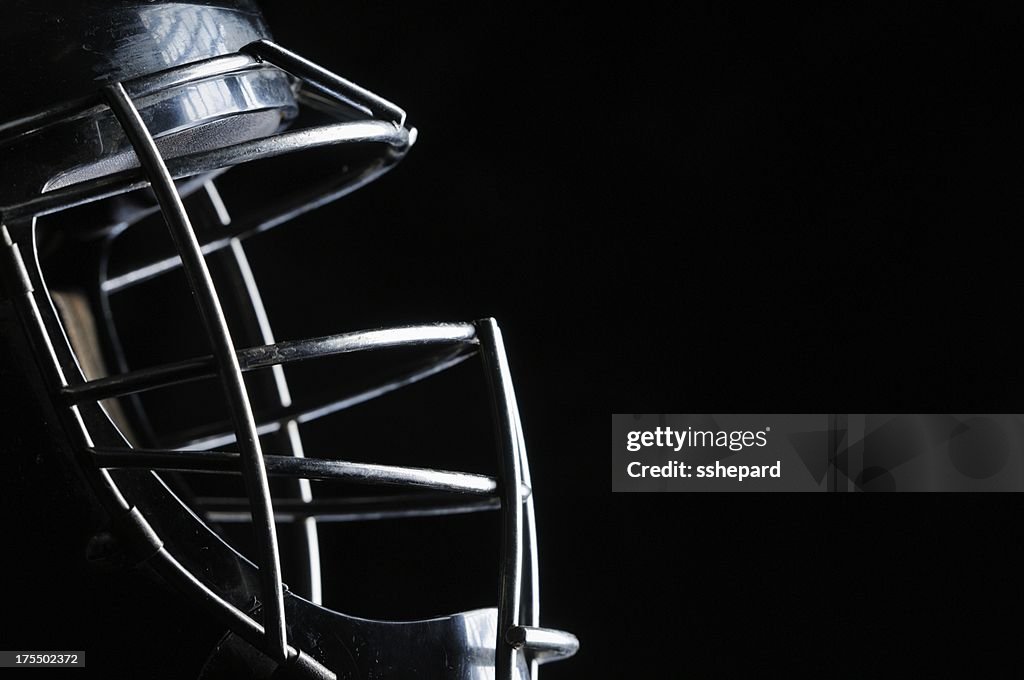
128 117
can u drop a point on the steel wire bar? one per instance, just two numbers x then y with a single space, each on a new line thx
188 165
530 612
326 82
304 468
251 460
349 509
266 356
509 481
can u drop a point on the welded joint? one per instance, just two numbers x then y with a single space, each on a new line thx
142 541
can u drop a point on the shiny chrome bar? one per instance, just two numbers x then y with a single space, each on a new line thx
205 294
303 468
510 476
358 509
266 356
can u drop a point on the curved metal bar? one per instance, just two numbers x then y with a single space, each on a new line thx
398 336
530 614
275 635
265 356
124 384
360 509
305 468
492 350
326 82
19 278
361 132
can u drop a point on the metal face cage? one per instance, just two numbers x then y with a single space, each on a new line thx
159 150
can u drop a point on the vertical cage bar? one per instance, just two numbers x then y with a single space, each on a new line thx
310 534
208 303
509 484
530 614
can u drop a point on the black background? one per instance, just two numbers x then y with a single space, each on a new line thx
704 210
701 210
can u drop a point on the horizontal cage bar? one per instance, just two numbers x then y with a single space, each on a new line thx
291 466
361 132
265 356
356 509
